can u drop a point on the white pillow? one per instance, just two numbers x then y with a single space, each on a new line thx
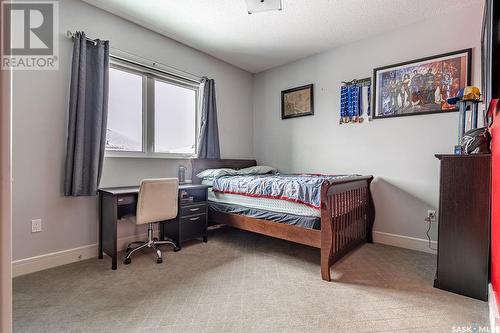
212 173
256 170
207 181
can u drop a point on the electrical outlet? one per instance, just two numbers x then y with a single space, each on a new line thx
36 225
431 215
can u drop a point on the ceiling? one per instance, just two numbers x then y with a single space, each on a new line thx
223 29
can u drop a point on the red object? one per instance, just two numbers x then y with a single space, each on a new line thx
494 111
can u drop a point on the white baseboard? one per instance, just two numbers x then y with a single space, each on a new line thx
417 244
493 307
54 259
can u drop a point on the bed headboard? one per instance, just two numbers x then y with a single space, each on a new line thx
200 164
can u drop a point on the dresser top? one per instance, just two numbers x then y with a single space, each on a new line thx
441 156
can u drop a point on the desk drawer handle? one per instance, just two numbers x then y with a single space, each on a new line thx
194 218
194 209
120 200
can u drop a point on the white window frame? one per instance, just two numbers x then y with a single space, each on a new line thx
149 76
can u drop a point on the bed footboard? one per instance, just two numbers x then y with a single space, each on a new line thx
347 216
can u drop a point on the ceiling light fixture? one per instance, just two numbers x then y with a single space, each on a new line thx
256 6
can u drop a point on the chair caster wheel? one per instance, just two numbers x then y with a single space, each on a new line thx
205 239
177 249
127 261
159 260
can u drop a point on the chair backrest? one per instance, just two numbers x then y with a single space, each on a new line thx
157 200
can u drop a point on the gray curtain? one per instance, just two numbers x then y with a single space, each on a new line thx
208 145
88 112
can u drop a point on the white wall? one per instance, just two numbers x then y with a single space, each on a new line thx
399 152
40 103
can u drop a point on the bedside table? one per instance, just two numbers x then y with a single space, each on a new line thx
191 220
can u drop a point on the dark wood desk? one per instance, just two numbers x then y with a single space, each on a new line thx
116 202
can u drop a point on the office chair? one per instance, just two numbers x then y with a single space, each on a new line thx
157 202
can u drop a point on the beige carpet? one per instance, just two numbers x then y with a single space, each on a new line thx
242 282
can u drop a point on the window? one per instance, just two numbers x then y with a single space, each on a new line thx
150 113
174 102
124 132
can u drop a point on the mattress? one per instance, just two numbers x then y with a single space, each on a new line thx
267 204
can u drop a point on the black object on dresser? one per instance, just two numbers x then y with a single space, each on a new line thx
116 202
191 221
464 225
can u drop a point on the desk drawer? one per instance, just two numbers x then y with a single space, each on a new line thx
193 210
193 226
126 199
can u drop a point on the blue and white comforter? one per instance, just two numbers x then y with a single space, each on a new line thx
305 189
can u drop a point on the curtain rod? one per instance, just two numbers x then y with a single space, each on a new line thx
154 65
72 35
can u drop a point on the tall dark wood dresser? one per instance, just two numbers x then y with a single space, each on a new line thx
464 225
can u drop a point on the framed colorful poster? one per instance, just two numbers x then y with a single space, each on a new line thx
297 102
420 86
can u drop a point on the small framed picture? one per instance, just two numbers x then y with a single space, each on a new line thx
421 86
297 102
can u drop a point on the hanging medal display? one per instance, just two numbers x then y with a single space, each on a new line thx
352 101
344 103
368 107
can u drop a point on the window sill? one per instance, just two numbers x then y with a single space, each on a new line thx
126 154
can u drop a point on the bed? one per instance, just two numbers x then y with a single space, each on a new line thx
343 219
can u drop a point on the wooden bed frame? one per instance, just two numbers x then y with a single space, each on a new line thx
347 215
